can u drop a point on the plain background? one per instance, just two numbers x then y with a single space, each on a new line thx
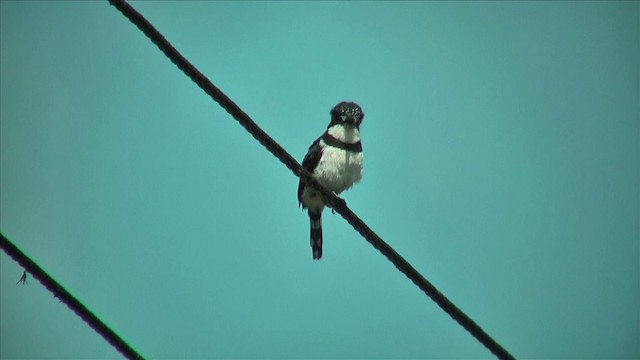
501 159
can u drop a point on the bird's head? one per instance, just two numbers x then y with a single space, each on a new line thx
347 113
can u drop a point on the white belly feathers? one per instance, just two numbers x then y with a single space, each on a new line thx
338 169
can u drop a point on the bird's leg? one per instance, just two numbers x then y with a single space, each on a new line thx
338 200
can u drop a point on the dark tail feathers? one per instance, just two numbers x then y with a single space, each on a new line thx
316 234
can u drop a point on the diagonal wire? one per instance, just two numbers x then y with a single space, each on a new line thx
331 199
74 304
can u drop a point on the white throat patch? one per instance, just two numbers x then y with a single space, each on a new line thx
346 134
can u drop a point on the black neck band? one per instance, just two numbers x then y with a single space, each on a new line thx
331 141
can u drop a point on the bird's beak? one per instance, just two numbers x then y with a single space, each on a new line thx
350 119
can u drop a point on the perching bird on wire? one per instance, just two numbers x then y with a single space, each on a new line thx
335 160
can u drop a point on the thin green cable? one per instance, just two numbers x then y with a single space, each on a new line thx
63 295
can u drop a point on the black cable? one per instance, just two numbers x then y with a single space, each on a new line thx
63 295
331 199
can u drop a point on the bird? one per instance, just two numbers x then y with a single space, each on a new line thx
335 161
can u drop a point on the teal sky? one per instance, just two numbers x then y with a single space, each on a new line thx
501 159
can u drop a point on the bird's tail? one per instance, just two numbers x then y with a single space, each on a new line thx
316 234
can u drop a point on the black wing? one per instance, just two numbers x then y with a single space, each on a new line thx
310 162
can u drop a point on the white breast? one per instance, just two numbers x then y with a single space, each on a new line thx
338 169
